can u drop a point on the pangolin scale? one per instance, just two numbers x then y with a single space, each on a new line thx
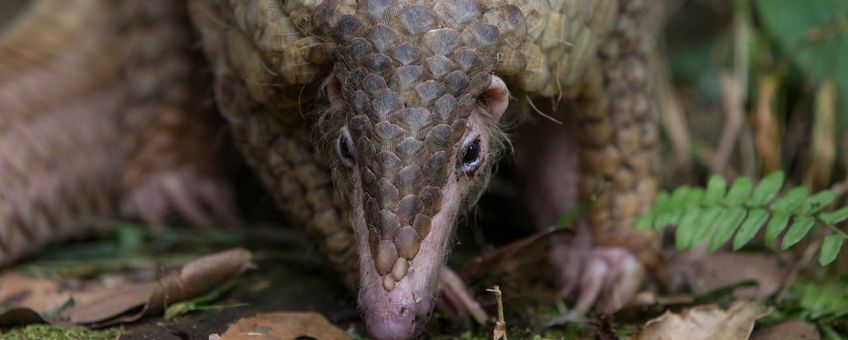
104 111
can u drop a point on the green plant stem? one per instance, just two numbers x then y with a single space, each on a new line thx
834 228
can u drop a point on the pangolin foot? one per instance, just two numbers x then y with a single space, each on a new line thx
200 200
606 277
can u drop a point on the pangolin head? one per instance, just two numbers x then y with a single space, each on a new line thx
414 108
413 99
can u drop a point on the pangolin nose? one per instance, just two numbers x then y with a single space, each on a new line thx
392 316
399 326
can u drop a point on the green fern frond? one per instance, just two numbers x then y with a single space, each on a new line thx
716 214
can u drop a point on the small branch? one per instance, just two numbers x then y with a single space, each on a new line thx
796 267
732 94
500 326
734 89
674 121
766 129
835 229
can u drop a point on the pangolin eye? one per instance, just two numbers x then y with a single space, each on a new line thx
344 145
472 156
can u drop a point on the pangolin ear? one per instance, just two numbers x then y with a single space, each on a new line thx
496 98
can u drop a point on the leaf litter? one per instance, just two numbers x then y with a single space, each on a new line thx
92 304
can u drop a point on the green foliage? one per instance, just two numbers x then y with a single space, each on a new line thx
714 214
823 299
820 300
203 302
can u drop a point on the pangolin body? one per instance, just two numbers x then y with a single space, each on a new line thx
395 104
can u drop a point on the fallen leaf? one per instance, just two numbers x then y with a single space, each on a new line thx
94 305
790 329
195 278
100 306
284 325
706 323
22 291
723 269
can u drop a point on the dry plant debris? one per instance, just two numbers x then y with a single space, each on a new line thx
284 325
709 322
790 329
500 325
94 304
724 269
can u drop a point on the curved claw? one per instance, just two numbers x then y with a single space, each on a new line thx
623 283
456 301
607 278
200 200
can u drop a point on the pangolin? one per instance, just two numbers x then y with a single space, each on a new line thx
373 123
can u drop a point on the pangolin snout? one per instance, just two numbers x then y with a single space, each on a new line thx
395 306
395 314
411 173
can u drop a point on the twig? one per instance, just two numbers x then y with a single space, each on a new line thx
734 89
674 121
500 326
732 109
766 129
796 267
823 155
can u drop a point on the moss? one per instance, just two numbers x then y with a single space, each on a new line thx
48 332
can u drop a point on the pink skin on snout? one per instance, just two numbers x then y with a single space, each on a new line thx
402 312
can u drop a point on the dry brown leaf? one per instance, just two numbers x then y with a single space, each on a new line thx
22 291
723 269
284 325
92 308
194 279
96 305
790 329
708 322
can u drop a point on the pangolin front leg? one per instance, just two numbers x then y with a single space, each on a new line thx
607 149
170 164
618 135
